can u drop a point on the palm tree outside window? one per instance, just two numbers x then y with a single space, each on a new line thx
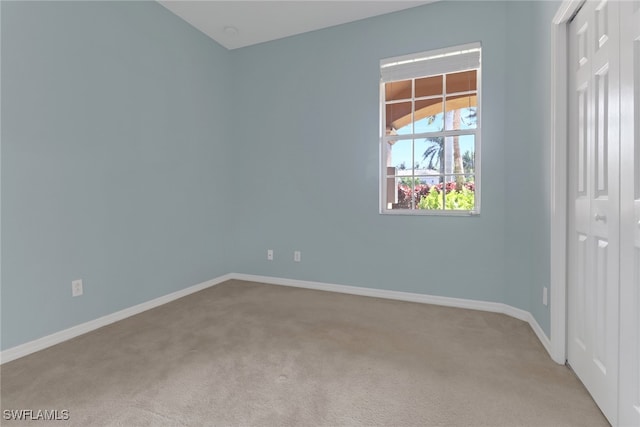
431 132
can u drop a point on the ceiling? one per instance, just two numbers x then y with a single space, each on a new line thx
241 23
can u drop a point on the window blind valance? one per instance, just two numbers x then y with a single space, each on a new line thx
441 61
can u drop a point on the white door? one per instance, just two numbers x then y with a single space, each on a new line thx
594 211
629 408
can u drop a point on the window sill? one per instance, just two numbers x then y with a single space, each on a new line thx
421 212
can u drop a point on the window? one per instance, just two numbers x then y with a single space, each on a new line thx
430 132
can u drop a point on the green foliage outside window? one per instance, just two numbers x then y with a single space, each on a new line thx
454 200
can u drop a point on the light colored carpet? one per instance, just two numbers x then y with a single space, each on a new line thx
244 353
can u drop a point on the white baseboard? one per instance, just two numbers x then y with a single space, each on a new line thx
544 340
58 337
528 317
493 307
64 335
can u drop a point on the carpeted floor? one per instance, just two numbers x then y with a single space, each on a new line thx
244 353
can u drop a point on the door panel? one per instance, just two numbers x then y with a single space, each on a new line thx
629 405
600 339
582 142
580 300
594 218
602 125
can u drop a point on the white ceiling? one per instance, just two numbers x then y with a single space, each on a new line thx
264 20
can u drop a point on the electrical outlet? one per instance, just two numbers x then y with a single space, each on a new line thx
296 256
270 254
76 288
545 296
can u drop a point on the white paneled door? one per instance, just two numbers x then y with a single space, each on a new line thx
603 336
629 405
594 210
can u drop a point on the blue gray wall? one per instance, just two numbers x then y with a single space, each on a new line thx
114 160
143 157
528 165
312 148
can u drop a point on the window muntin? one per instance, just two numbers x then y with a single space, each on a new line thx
431 133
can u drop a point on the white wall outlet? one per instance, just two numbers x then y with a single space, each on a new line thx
270 254
296 256
76 288
545 296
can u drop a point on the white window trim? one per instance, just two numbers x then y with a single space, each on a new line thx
413 58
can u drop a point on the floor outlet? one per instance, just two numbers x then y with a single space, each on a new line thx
296 256
76 288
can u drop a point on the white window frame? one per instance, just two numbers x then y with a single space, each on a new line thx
425 64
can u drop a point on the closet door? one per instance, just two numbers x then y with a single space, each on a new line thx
629 407
594 210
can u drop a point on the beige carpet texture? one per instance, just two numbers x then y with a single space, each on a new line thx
251 354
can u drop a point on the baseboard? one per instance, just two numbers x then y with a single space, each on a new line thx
544 340
528 317
58 337
64 335
493 307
